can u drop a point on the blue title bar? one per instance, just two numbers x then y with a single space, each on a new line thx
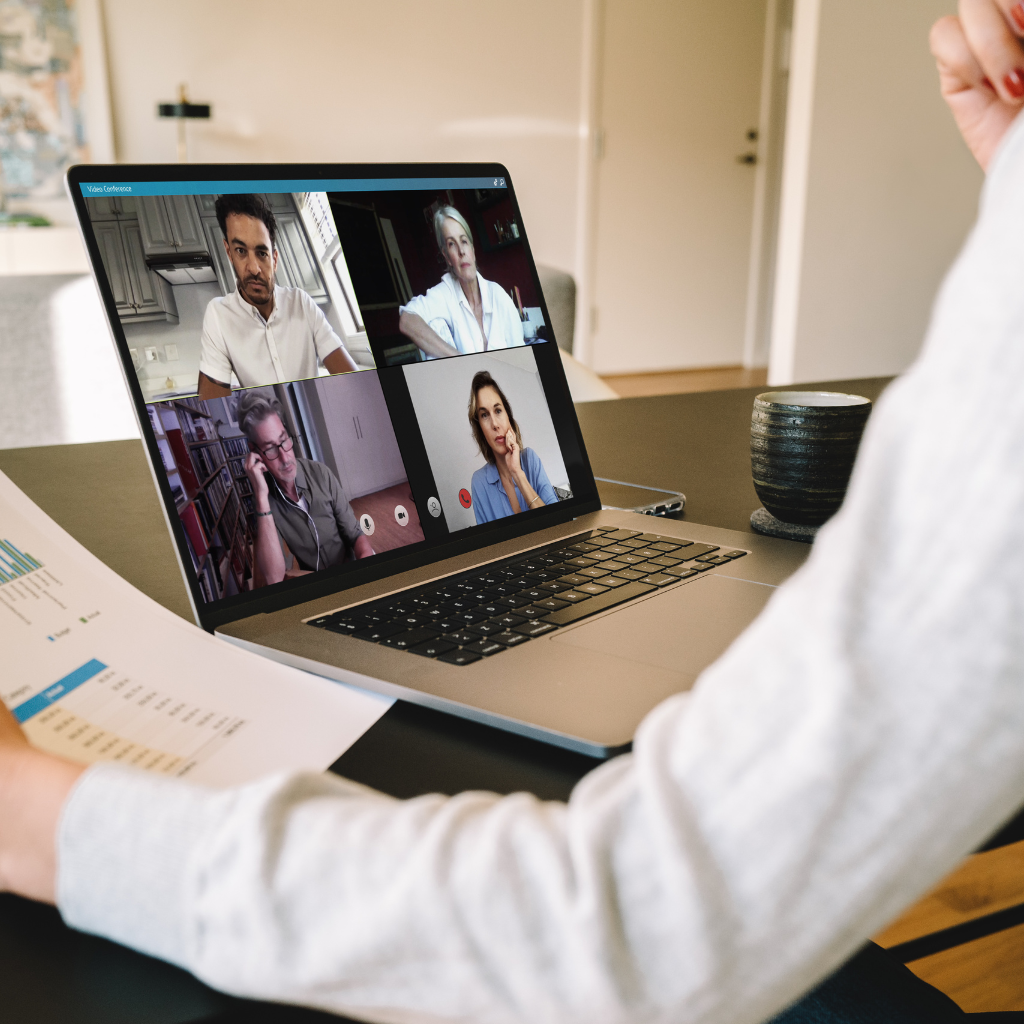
92 189
61 688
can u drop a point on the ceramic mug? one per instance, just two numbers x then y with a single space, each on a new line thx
802 448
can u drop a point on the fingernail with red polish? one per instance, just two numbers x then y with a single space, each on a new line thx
1017 13
1014 83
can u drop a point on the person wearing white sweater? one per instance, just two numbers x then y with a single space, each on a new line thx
861 737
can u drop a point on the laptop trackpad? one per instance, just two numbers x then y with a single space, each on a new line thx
682 630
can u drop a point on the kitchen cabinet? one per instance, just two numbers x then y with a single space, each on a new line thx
218 256
170 224
111 207
139 294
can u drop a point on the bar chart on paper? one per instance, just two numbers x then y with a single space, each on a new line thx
14 562
88 714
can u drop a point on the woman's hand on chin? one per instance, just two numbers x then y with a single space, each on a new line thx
512 461
981 70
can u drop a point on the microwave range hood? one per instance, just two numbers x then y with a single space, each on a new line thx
183 267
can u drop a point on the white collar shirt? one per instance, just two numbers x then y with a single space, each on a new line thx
287 346
449 314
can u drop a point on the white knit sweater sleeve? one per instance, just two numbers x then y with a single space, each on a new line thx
864 734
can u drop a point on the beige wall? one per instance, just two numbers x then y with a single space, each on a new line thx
879 191
337 80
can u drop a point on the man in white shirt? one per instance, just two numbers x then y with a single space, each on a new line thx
843 755
261 332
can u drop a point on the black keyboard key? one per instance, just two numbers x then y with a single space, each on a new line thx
591 588
461 636
532 613
471 617
383 630
681 572
629 559
616 549
529 596
510 639
696 550
508 620
572 579
609 599
733 554
582 562
666 560
700 566
485 629
483 647
715 559
634 544
492 608
614 566
659 579
595 573
462 657
539 627
433 648
613 581
403 641
518 601
546 576
447 624
653 538
506 589
573 596
551 604
646 553
629 574
664 545
555 587
584 547
621 534
411 621
342 627
647 567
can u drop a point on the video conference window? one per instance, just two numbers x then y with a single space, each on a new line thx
215 292
489 436
439 273
272 483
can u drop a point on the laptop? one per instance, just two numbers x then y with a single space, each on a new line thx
355 412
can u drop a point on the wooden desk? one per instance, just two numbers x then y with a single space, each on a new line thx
102 495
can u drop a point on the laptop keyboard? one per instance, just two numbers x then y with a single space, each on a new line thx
492 608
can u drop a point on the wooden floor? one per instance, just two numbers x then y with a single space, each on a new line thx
677 382
987 974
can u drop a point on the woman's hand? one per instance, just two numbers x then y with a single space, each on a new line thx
512 462
981 70
33 788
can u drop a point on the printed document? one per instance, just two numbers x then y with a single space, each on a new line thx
96 671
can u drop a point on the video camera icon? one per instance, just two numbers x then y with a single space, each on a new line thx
401 515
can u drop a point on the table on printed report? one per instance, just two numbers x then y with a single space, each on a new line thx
103 495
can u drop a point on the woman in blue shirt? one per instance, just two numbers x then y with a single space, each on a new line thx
513 479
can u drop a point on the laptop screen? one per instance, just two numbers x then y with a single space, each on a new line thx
336 371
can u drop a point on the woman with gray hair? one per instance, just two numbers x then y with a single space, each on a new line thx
465 312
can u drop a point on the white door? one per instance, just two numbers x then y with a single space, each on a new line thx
679 91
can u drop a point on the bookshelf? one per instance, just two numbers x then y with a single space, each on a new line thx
212 494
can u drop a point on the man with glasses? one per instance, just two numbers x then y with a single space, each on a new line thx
301 508
261 332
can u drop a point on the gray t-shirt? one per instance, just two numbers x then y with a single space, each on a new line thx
334 526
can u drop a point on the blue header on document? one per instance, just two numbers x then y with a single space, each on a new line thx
91 189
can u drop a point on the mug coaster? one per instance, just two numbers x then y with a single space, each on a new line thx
764 522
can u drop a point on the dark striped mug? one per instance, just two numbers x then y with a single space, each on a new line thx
802 448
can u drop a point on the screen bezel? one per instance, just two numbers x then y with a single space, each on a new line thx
339 579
